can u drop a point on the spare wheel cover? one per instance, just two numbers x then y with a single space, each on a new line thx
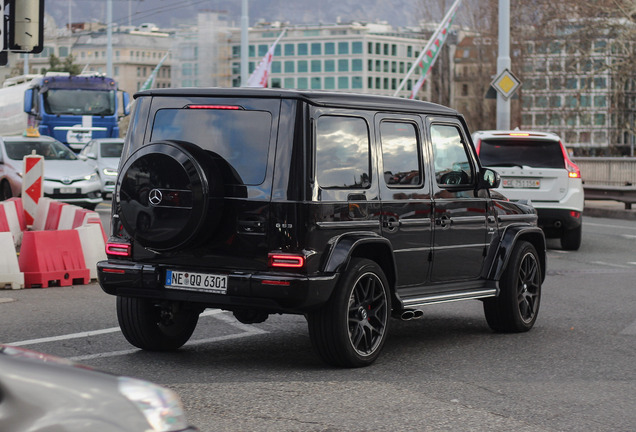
165 189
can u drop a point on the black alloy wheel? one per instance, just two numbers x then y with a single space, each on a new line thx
5 190
517 306
350 330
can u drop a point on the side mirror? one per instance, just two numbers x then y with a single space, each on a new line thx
490 179
91 156
28 100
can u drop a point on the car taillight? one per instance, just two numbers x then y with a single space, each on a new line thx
286 260
118 249
573 170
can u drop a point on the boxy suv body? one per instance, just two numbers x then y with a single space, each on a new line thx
535 166
346 208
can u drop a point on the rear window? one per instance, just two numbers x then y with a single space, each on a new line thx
528 152
51 150
240 137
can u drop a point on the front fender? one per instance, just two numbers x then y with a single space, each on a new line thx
503 249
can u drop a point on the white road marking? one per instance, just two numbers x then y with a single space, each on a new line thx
610 226
631 330
603 263
246 331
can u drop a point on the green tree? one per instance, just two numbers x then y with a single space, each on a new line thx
57 65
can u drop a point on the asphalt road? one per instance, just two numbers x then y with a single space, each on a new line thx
575 371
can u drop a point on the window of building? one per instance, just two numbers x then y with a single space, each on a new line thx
276 67
262 50
356 65
393 50
316 48
571 101
276 83
370 48
385 83
541 119
289 66
343 65
289 82
370 82
378 82
385 49
315 83
600 83
409 51
599 119
330 83
555 101
277 51
541 101
303 49
600 101
464 91
343 47
570 120
343 82
356 47
571 83
370 65
585 119
330 48
585 101
302 66
251 51
316 66
342 152
64 51
289 49
356 82
303 83
555 119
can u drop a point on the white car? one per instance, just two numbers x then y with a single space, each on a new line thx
536 166
66 177
104 155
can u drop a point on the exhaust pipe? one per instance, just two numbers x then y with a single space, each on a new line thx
557 224
411 314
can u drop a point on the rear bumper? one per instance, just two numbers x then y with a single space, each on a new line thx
554 221
267 291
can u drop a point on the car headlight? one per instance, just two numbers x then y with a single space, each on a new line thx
109 171
92 177
161 407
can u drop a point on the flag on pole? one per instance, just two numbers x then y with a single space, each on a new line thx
151 79
261 73
429 54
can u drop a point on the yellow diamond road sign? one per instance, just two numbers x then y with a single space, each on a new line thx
506 84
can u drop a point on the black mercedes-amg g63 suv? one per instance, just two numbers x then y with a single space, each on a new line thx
349 209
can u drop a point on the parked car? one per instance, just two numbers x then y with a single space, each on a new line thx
66 178
104 154
536 166
39 392
348 209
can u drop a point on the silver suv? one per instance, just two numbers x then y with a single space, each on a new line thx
536 166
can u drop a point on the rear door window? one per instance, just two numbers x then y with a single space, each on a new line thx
342 152
240 137
400 155
521 152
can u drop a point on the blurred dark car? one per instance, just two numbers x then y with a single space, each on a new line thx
43 393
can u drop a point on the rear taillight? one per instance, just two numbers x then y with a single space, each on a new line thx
573 170
478 146
286 260
118 249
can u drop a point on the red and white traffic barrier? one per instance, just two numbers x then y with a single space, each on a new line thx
32 188
9 213
10 274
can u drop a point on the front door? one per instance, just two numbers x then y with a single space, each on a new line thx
460 214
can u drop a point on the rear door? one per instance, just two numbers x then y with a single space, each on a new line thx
406 198
530 168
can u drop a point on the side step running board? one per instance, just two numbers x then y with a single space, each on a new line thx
445 298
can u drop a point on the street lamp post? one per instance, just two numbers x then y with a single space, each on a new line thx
503 63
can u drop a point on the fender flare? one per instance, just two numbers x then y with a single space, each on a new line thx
500 254
360 244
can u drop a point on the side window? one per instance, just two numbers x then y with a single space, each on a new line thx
400 154
452 164
342 152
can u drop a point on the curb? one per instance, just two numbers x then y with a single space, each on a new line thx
610 213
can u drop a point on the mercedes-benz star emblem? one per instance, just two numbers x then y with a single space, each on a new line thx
155 197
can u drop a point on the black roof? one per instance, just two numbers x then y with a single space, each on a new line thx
320 98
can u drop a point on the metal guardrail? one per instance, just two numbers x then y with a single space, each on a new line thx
624 194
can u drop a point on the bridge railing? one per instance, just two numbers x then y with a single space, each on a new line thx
607 178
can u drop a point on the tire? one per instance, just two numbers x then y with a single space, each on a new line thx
515 309
151 327
350 330
571 239
5 191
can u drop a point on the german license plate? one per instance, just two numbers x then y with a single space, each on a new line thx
520 183
196 281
